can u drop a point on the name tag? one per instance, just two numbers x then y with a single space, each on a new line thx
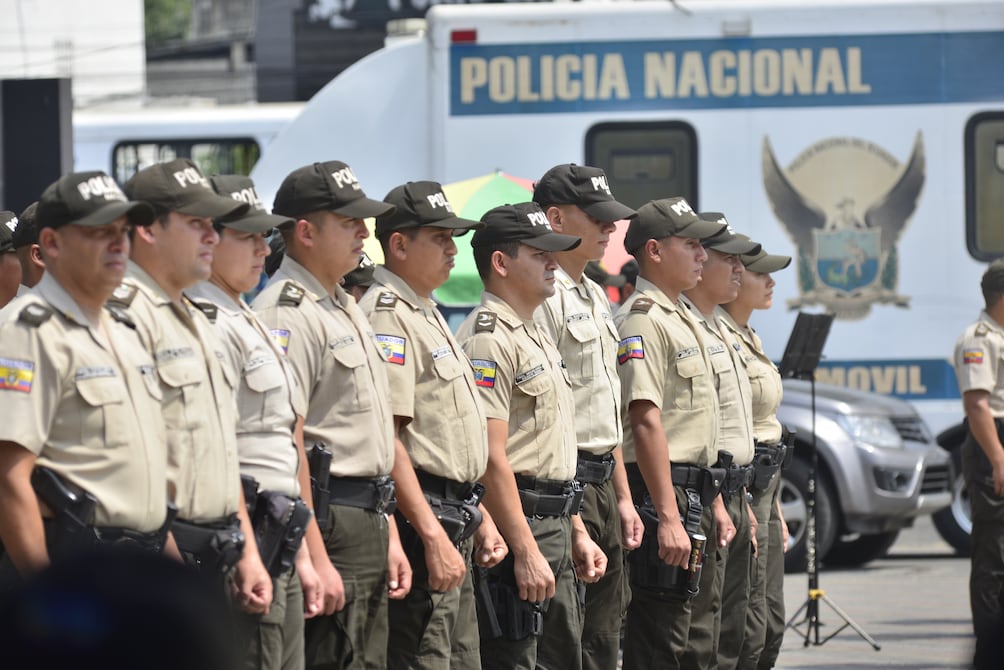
716 349
94 372
173 354
341 342
529 374
441 352
687 353
256 362
575 318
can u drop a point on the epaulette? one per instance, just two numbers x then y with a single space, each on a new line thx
120 315
291 294
642 305
207 308
35 314
485 322
981 329
386 300
123 295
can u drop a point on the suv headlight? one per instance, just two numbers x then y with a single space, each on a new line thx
876 431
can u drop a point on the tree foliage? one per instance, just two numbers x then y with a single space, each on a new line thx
166 20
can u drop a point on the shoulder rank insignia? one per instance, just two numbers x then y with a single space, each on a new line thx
123 295
35 314
642 305
120 315
982 329
207 308
386 300
485 322
291 294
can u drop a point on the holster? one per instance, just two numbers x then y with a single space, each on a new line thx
73 506
279 525
212 547
501 613
250 487
767 460
460 519
319 462
649 571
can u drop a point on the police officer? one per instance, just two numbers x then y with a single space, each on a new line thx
531 434
578 202
725 598
170 255
670 405
271 461
77 387
978 359
357 282
26 246
340 376
441 439
10 267
765 614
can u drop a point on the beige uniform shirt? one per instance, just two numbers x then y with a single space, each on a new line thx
338 368
578 320
661 359
978 361
735 410
198 404
521 379
431 381
765 381
87 405
265 412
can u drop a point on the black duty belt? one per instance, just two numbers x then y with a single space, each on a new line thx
371 493
213 547
593 469
706 482
769 454
442 487
549 497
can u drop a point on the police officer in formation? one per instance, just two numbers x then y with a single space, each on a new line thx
268 448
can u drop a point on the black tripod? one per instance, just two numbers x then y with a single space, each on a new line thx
801 356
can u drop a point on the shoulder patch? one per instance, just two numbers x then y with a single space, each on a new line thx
281 338
392 348
386 300
484 372
972 357
207 308
123 295
35 314
630 347
486 323
16 374
119 314
642 305
981 329
291 294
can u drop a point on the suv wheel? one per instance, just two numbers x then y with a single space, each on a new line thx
794 491
954 523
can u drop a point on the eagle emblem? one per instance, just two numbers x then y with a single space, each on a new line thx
845 202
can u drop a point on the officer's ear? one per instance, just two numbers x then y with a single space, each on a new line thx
397 245
554 218
48 243
653 251
500 263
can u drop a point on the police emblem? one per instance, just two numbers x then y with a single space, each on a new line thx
845 202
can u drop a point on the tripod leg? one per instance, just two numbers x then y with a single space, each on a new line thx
850 622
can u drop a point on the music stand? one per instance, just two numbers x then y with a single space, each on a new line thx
801 357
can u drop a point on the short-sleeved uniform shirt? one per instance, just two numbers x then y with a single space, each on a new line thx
265 413
661 358
578 319
338 369
522 381
765 381
979 359
735 411
198 404
431 381
86 404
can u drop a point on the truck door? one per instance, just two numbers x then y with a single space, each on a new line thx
985 185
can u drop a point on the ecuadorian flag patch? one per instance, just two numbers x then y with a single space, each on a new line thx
484 372
972 356
392 348
16 375
630 347
281 338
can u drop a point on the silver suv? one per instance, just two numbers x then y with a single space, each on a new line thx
879 468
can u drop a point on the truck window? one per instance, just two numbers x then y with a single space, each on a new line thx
646 160
985 185
213 156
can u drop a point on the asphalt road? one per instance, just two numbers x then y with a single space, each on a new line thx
914 603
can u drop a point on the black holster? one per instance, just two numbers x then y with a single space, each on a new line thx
249 485
319 461
649 571
501 613
279 524
73 506
214 548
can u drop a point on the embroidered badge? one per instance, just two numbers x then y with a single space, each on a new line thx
972 356
529 374
16 375
485 322
630 347
281 338
484 372
392 348
386 300
342 342
687 353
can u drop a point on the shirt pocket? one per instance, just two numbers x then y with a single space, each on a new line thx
578 357
691 372
182 379
261 402
105 412
356 395
538 404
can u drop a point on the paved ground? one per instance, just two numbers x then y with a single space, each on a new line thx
914 603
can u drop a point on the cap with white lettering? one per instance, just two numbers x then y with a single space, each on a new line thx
525 223
8 222
362 275
728 241
242 189
421 203
26 233
330 186
583 186
179 186
88 199
667 217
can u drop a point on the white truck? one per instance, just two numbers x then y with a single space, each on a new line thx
865 138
